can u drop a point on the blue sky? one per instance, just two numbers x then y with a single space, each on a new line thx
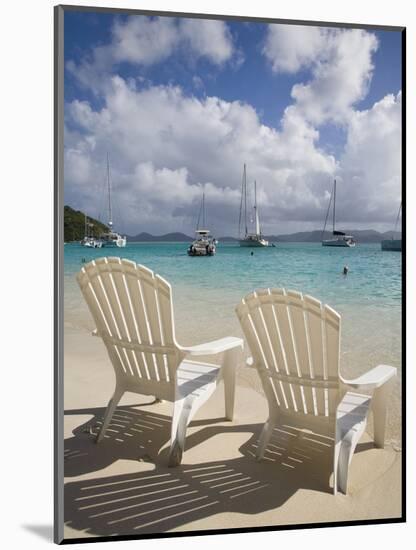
301 105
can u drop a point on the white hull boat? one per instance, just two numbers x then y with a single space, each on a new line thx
394 245
255 239
340 239
345 241
112 238
204 244
89 240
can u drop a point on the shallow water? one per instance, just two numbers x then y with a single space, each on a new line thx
207 289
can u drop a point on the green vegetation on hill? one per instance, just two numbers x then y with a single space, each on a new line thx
74 225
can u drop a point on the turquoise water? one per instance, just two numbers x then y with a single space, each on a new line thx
207 289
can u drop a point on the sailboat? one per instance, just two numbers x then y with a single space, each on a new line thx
393 244
204 244
112 238
339 237
250 239
89 240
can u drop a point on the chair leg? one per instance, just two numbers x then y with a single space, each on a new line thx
344 450
229 369
111 407
379 406
265 437
344 458
337 448
180 420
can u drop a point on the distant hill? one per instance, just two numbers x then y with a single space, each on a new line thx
74 225
361 235
74 228
168 237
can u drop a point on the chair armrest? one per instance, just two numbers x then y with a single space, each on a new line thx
214 347
372 379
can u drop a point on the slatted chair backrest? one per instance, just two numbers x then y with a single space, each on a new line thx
295 343
132 309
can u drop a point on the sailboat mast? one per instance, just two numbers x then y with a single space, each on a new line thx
245 199
110 215
327 214
256 214
203 211
333 213
397 220
241 209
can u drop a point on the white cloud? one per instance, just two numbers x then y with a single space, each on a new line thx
339 65
146 41
339 61
371 163
210 39
340 81
290 47
143 41
164 146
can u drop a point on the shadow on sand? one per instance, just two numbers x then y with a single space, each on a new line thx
162 498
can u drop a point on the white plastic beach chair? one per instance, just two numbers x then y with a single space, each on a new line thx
295 342
132 309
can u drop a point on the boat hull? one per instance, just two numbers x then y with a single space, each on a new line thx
90 242
207 250
120 244
395 245
117 243
201 253
254 243
338 243
93 245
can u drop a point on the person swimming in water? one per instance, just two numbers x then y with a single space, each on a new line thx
345 270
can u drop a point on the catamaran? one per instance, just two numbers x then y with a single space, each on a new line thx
204 244
89 240
250 239
393 244
111 238
339 237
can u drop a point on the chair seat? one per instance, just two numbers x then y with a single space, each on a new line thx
193 378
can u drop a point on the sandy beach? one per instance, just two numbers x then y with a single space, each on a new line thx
123 486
